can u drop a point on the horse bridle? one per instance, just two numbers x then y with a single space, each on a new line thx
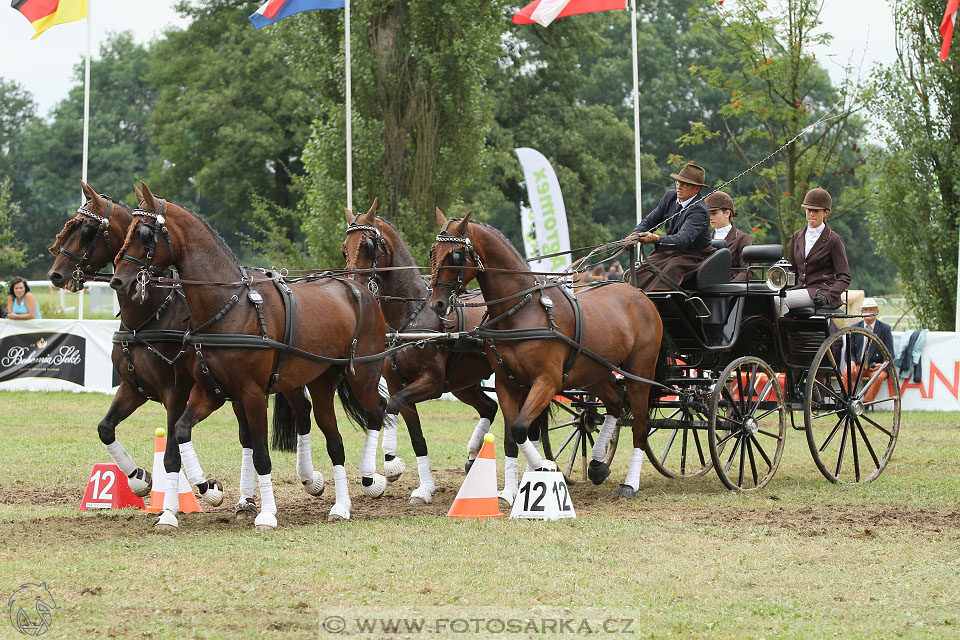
458 259
148 235
374 244
103 228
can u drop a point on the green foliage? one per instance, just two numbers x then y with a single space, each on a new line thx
46 164
916 207
419 112
231 118
12 251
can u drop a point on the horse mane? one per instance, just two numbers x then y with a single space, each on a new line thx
78 220
500 233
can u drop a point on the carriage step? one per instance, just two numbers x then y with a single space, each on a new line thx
668 423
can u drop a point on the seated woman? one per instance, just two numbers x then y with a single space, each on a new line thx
720 206
819 256
21 305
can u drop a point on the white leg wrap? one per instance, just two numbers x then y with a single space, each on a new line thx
248 486
424 493
511 480
171 493
267 519
304 458
123 459
476 440
368 463
341 509
606 432
534 460
536 447
633 471
390 434
191 465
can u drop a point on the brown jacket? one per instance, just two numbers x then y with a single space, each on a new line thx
736 240
824 271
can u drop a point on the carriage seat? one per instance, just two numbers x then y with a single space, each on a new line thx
808 312
714 270
762 253
755 255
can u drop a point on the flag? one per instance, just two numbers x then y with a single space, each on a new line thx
44 14
544 224
946 27
543 12
275 10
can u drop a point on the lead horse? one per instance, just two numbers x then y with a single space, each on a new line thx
248 342
542 338
148 356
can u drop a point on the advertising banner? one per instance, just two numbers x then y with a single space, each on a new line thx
544 224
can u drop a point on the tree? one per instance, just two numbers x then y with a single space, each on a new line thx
916 209
419 111
231 119
17 111
12 251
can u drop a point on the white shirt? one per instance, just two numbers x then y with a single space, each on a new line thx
721 233
683 205
812 235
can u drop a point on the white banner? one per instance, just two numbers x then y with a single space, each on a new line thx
939 385
544 224
57 355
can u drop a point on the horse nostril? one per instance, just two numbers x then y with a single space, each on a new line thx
116 283
55 278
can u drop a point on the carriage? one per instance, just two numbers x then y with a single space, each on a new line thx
740 374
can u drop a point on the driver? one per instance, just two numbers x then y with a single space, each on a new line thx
687 241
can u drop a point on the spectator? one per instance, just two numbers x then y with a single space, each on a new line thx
874 359
615 272
21 305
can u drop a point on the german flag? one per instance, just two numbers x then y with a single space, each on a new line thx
44 14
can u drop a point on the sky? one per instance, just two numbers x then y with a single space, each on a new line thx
862 29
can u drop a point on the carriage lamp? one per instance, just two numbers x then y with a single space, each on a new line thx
780 275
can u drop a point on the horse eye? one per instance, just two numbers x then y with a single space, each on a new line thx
87 234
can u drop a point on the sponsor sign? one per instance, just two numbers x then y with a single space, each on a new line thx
42 355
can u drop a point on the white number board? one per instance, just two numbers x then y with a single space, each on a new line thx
543 496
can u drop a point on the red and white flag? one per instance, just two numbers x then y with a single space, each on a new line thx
543 12
950 18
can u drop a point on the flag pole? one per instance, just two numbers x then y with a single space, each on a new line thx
349 109
956 321
636 103
86 99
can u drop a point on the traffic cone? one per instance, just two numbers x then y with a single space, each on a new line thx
108 489
188 501
477 498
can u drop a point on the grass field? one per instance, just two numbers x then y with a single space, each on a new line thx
802 559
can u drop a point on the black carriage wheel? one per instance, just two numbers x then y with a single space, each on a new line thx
569 438
851 439
747 431
678 448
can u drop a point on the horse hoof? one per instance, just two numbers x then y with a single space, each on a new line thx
374 487
421 496
393 468
469 464
315 486
140 483
506 497
246 509
547 465
214 493
265 521
626 491
166 522
338 512
598 471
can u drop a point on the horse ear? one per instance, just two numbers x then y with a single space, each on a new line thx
149 200
441 219
462 226
137 193
373 209
90 194
349 216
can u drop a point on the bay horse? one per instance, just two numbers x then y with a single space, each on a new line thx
425 372
258 335
148 356
542 338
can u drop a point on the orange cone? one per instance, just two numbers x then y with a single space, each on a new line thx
188 501
477 498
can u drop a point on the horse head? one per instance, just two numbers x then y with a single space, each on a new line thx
147 249
454 262
367 247
88 241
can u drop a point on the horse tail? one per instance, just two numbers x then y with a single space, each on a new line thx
356 412
542 421
284 425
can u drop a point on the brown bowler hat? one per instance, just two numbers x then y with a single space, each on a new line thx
818 199
720 200
691 174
